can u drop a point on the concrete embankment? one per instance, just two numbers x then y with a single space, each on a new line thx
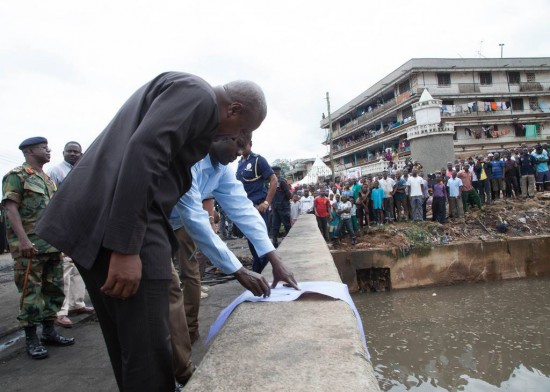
447 264
312 344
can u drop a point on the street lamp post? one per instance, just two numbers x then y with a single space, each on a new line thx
501 49
330 137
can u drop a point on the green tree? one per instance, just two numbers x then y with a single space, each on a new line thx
284 164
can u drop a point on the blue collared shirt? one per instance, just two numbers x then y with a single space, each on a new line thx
214 179
59 172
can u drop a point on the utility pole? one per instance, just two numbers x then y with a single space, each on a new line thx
330 137
501 48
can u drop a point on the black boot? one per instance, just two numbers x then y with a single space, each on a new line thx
32 343
52 337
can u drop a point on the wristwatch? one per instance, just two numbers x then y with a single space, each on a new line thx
211 219
266 202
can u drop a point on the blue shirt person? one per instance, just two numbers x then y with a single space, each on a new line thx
254 171
214 178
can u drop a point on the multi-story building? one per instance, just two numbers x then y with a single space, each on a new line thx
492 105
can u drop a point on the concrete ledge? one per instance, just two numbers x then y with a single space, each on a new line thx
312 344
448 264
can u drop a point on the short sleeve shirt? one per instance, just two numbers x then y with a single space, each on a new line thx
322 206
253 172
454 185
541 166
32 192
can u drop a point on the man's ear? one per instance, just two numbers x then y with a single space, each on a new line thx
234 108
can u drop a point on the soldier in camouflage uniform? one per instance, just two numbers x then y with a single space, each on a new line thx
38 269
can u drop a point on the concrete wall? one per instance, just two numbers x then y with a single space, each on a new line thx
453 263
433 151
312 344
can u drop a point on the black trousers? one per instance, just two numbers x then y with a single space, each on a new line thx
280 214
135 330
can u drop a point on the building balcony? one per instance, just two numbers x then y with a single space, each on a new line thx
531 86
366 142
349 127
417 131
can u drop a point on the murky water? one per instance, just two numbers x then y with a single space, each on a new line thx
472 337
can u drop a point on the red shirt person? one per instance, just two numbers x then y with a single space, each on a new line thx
321 207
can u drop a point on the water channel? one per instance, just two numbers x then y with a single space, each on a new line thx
471 337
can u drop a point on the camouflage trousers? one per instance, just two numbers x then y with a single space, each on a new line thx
43 294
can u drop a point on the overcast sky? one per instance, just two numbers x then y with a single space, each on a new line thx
67 66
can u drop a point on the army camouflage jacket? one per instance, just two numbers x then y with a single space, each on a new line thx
32 192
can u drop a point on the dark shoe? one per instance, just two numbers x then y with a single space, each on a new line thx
32 344
182 380
55 339
52 337
354 241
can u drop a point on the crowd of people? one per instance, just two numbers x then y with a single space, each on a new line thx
349 206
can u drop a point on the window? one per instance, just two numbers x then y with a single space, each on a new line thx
404 86
447 102
513 77
517 103
530 77
443 79
485 78
534 103
407 112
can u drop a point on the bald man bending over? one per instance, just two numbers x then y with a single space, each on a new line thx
111 215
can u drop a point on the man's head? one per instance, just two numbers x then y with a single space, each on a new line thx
35 150
496 156
454 173
449 165
242 109
538 149
72 152
337 197
414 172
344 198
306 192
295 198
277 171
466 167
385 174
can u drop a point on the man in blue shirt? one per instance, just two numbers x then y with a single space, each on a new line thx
527 169
253 171
497 179
212 177
543 174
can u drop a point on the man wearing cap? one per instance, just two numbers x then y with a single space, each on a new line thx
38 269
280 206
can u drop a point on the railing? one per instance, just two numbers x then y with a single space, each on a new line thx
430 129
492 113
530 86
365 117
337 149
468 88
